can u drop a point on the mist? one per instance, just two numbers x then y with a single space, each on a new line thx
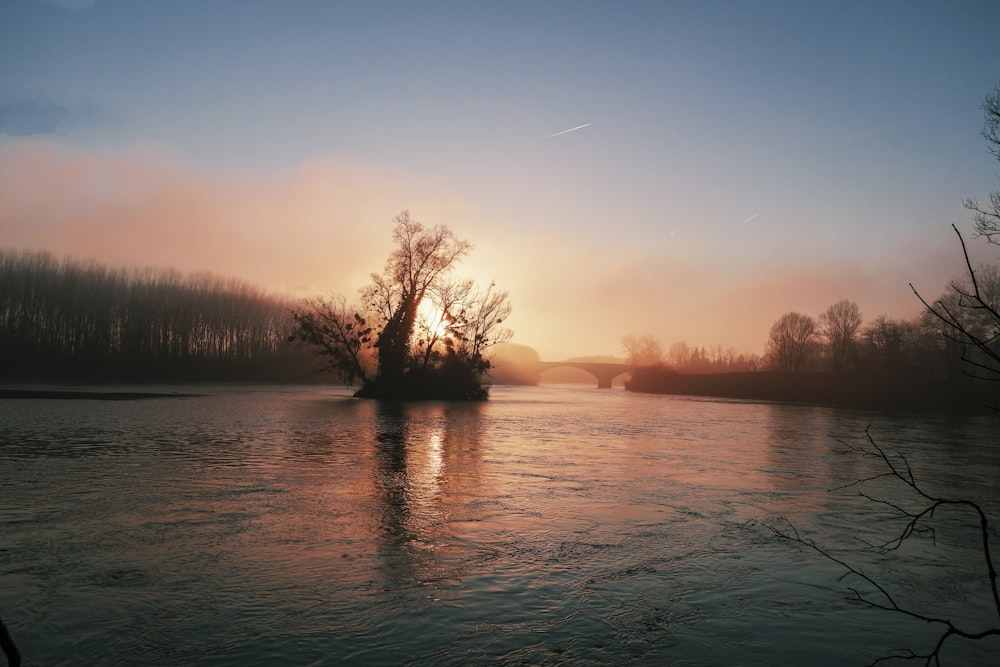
325 225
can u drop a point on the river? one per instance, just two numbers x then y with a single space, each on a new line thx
551 525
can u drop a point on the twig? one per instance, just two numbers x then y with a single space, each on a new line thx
898 467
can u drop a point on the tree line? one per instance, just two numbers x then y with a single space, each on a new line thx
648 351
79 319
839 358
957 333
838 340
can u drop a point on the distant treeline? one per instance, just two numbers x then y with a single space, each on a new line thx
838 359
77 320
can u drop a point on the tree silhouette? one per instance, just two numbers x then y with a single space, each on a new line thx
987 218
839 325
970 315
341 334
84 320
420 261
792 342
642 350
387 345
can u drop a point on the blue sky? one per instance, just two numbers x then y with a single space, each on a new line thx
275 141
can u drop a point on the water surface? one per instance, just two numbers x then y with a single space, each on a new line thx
551 525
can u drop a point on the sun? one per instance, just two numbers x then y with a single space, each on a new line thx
433 319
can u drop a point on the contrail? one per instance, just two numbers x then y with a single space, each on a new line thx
572 129
752 216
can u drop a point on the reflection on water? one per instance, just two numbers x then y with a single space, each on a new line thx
547 526
427 464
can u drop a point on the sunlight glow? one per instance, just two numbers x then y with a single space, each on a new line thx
433 319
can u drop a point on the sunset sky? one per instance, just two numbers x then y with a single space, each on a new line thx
739 159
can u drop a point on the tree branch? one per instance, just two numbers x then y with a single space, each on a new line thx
961 332
898 468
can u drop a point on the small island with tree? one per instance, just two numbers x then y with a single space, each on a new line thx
418 332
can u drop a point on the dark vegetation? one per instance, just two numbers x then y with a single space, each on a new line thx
74 321
395 349
69 320
683 358
88 395
836 358
880 391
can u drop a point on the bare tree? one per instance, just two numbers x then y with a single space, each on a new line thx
447 297
642 350
483 317
416 358
84 319
839 325
970 314
888 343
421 258
792 342
342 335
987 219
679 354
470 322
971 317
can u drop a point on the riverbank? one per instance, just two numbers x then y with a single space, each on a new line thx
82 394
864 391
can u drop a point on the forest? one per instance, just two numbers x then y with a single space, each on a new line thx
76 320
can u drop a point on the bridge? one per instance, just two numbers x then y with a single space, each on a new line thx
604 373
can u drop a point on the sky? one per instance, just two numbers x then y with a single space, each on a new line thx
733 160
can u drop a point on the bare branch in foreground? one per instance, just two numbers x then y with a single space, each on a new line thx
898 468
976 342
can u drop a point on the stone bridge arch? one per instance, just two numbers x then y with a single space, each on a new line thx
604 373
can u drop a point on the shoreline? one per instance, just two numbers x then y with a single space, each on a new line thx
69 394
823 389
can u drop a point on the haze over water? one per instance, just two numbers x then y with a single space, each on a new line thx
550 525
